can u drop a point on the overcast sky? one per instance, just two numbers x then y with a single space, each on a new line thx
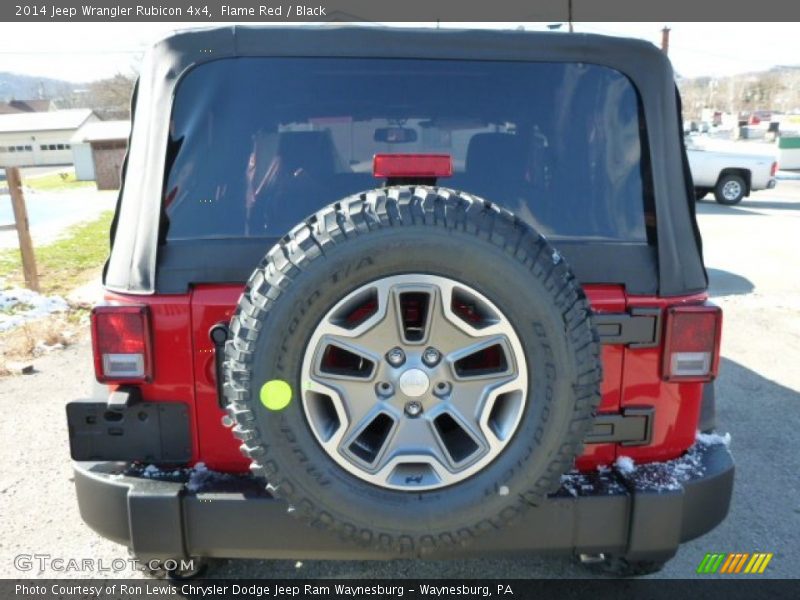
88 51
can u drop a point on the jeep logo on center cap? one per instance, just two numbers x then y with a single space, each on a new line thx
414 383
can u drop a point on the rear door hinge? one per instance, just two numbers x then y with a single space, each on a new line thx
638 328
632 427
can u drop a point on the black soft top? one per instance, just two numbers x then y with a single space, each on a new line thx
674 267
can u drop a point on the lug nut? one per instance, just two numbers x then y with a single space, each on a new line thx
384 389
413 408
396 357
442 388
431 357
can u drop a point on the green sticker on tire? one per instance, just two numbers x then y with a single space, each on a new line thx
276 394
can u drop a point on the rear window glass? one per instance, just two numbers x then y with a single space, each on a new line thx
257 144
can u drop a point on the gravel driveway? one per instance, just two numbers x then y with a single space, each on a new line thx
753 252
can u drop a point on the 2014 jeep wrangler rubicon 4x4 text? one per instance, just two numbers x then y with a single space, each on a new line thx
378 293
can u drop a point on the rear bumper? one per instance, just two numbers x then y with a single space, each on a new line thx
641 515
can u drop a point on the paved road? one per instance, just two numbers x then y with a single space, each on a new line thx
50 214
754 254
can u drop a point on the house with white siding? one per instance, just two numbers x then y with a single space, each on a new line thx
40 138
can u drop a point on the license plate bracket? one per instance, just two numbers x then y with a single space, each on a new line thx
156 432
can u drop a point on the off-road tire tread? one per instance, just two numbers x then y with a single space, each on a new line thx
398 207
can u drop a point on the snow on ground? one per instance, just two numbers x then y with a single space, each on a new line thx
18 306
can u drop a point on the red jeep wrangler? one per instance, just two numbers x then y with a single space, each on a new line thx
431 293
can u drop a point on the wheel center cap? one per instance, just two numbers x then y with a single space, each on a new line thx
414 383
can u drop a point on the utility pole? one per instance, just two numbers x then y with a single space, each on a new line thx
665 40
569 15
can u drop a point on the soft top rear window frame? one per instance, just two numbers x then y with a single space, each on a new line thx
549 209
676 267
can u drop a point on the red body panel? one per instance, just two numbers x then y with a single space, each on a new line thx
606 299
220 450
173 376
184 372
677 405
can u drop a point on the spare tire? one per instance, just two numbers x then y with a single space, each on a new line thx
411 367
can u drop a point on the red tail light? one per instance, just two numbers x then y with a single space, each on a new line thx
691 343
774 170
121 344
412 165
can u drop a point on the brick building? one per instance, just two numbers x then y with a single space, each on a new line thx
99 149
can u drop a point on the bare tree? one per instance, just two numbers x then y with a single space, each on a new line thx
110 98
775 90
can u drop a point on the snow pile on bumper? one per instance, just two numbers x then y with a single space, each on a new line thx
671 474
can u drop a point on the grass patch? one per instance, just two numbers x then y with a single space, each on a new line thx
65 263
56 182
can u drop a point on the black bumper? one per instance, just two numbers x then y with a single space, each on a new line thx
642 515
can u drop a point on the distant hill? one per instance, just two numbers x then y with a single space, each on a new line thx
109 98
24 87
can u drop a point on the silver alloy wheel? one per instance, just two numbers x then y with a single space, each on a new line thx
731 190
422 424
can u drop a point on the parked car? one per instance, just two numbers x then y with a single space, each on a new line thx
730 175
310 359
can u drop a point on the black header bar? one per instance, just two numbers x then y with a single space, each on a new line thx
385 11
731 588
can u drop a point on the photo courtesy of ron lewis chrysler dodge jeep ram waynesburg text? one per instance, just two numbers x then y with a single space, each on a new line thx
350 316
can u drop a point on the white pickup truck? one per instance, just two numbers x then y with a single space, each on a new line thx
729 174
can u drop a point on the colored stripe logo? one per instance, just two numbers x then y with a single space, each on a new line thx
734 562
